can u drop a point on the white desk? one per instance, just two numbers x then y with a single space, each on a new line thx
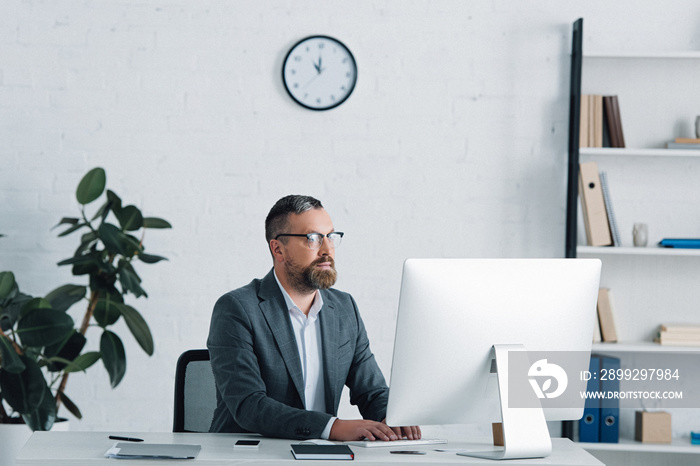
88 448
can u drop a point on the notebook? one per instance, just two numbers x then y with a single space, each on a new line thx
127 450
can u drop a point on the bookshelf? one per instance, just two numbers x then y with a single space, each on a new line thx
649 184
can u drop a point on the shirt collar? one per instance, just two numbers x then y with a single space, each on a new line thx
315 306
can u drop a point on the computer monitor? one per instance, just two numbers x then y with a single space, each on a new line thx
461 330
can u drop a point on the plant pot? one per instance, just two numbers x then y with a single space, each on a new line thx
14 436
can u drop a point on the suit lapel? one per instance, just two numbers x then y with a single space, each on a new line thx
276 314
330 331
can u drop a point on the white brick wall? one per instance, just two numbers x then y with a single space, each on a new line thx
453 144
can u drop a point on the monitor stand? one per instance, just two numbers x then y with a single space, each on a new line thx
525 432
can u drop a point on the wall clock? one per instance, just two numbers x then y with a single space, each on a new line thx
319 72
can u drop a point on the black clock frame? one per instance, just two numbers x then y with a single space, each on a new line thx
354 81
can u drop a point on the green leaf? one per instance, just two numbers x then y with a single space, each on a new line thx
91 186
35 303
107 309
41 327
71 230
139 328
7 284
82 362
84 263
64 351
11 361
130 281
113 239
44 415
155 222
133 245
113 356
115 202
12 310
130 218
63 297
67 221
70 406
23 391
150 258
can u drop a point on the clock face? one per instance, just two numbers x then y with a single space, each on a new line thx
319 73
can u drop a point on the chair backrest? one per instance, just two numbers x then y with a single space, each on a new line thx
195 392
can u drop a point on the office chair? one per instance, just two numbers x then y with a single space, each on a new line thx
195 392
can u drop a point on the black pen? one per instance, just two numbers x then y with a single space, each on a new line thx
126 439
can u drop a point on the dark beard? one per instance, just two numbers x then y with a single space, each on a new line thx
309 279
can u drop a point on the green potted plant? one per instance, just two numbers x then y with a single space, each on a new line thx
40 345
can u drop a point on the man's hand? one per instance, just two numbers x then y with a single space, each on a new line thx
407 432
360 429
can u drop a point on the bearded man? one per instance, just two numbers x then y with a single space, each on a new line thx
282 347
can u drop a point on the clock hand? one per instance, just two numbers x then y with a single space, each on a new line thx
310 81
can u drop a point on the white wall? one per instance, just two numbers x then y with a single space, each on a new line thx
453 144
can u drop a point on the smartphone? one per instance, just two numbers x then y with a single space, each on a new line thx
247 444
407 452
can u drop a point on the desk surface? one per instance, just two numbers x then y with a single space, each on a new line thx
88 448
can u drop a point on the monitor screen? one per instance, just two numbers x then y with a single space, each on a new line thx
453 311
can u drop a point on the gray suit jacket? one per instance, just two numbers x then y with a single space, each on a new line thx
257 367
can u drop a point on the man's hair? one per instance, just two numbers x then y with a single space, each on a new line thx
278 218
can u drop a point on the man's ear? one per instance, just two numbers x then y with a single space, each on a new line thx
277 250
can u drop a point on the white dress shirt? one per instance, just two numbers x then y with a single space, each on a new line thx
307 332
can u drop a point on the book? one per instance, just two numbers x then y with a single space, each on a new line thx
681 243
615 102
597 338
665 340
303 451
682 146
606 315
688 140
672 336
583 122
595 217
591 120
612 120
597 120
612 222
680 328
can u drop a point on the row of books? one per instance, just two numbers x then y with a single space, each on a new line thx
679 334
684 144
596 203
600 124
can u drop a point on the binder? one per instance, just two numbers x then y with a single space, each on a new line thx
589 424
683 243
612 222
609 403
595 217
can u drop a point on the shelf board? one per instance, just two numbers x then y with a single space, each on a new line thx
647 251
632 152
642 347
690 54
677 445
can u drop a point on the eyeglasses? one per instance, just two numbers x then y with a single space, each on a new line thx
315 240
